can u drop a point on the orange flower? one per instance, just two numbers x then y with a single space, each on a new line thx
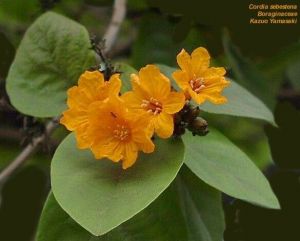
91 87
152 94
200 82
117 134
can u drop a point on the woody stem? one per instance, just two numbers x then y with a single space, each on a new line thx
110 36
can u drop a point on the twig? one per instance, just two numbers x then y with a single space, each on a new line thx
10 134
121 49
110 36
27 151
5 106
118 16
289 93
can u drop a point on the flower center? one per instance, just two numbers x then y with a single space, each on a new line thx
197 84
152 106
121 132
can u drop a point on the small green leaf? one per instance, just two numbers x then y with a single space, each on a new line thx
293 73
126 70
221 164
99 194
240 101
189 210
248 75
53 53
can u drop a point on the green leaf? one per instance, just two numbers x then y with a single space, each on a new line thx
155 42
248 75
221 164
56 224
293 73
126 70
275 66
202 208
53 53
189 210
150 224
100 195
17 11
240 101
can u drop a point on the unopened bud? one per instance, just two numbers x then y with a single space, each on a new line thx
199 127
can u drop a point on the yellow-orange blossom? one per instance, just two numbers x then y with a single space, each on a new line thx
152 94
117 133
102 122
200 82
118 128
91 87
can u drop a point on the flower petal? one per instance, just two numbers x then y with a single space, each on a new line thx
83 140
184 61
130 155
114 84
73 118
200 60
213 96
198 98
132 100
93 77
111 149
76 98
142 136
90 83
217 98
219 71
140 92
164 125
174 103
182 79
154 82
217 86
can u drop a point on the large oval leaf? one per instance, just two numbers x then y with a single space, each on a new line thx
148 225
189 210
99 194
221 164
53 53
240 101
202 208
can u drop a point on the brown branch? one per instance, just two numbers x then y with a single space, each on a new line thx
119 12
27 151
110 36
10 134
121 49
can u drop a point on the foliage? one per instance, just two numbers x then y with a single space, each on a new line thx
201 217
123 193
171 194
46 65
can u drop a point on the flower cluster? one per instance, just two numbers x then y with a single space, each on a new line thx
118 126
